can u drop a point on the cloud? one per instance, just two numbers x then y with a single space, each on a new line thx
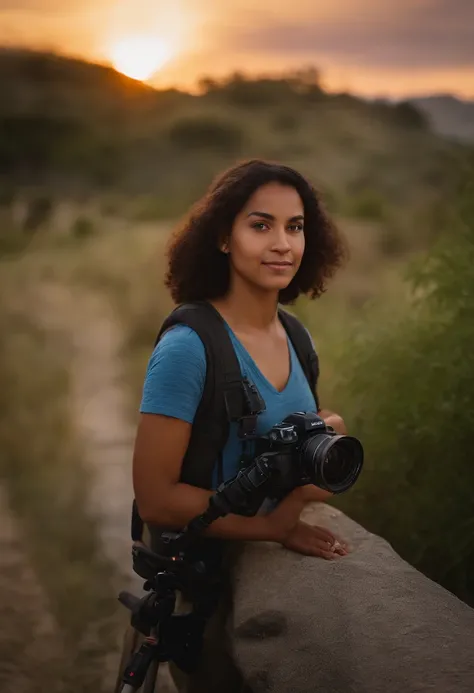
47 8
368 45
427 33
37 6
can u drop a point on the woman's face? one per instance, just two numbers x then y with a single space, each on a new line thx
267 241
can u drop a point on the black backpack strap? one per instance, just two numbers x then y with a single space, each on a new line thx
304 348
226 397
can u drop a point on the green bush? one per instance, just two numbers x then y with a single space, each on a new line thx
403 114
391 242
408 393
367 204
13 239
284 121
40 209
248 93
207 133
408 115
83 227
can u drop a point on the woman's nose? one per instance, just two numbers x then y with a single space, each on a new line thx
281 242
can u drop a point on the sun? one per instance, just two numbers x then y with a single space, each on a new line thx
139 57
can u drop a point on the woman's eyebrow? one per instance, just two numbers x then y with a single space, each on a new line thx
266 215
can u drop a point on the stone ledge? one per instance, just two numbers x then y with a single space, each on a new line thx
366 623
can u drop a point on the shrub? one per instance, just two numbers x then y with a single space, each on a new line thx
83 227
366 204
408 393
285 121
207 133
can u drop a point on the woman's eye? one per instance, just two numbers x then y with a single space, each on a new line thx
262 226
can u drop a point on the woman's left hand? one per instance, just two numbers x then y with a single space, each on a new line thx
314 541
335 544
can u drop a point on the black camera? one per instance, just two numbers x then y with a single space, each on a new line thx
299 450
302 449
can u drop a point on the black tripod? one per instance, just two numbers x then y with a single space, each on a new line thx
173 636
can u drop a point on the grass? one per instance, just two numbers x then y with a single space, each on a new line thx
47 484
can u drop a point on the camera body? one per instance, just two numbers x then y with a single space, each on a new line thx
295 427
299 450
302 449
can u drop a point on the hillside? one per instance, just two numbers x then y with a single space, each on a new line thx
77 129
448 115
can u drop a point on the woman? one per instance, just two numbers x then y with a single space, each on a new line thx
259 237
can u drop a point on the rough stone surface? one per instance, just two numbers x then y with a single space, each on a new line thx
365 623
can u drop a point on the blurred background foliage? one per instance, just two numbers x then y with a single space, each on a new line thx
95 170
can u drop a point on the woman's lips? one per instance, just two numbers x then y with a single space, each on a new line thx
278 266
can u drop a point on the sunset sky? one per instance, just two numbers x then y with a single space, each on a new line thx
373 47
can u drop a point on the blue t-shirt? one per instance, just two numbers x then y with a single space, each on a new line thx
174 384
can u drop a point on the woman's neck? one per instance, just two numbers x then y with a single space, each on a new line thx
246 308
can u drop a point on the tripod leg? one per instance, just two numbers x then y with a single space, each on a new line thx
134 642
150 683
131 642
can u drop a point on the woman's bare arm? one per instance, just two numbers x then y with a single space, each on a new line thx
160 446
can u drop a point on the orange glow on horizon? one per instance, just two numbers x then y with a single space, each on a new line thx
139 57
175 43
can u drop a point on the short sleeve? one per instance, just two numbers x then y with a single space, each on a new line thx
175 376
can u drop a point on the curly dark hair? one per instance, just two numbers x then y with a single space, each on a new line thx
199 271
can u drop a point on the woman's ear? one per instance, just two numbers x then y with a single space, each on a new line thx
224 246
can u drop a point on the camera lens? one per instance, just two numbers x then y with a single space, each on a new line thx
332 462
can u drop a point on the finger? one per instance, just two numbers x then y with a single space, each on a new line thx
317 552
314 547
325 543
324 551
323 533
329 555
341 548
338 544
337 547
320 534
332 539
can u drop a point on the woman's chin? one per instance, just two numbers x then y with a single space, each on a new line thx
276 284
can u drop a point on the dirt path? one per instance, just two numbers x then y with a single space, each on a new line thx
30 646
99 404
99 409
